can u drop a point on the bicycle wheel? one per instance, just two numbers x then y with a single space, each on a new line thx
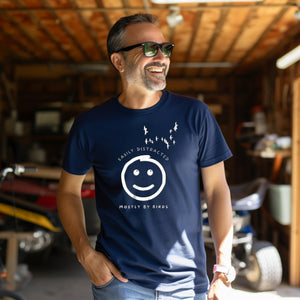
5 294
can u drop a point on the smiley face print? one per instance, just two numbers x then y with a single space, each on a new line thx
143 178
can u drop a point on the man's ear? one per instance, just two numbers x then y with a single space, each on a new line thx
118 61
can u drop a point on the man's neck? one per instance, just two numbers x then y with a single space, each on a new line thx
137 99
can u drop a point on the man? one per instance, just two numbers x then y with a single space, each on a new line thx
147 148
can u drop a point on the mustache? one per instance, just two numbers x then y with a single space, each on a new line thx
156 64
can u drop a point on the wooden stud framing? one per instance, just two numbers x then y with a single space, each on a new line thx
295 226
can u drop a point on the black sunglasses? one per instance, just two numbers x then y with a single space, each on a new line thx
150 49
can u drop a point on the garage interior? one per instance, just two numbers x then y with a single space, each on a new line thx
53 65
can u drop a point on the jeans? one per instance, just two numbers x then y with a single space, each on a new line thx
117 290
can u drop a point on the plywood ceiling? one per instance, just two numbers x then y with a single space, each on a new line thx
74 32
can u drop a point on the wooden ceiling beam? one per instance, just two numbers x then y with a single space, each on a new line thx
65 28
197 23
139 8
9 48
104 13
44 30
13 45
239 33
282 46
75 31
263 35
89 29
21 29
219 26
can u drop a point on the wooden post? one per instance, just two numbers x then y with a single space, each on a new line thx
12 250
295 226
11 260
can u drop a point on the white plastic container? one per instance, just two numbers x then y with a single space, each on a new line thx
281 202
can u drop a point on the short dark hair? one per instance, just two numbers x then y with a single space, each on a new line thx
115 37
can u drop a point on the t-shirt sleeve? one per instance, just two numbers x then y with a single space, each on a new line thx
212 145
76 159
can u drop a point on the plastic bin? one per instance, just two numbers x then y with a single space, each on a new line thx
281 202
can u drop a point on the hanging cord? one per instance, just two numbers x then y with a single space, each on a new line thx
13 195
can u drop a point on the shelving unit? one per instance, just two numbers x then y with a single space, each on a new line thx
69 95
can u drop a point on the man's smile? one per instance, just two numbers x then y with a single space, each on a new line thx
156 69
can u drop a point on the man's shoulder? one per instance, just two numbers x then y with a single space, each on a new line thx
102 108
185 100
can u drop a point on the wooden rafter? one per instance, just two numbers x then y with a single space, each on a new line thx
13 45
193 36
44 30
71 32
66 29
156 9
40 51
241 30
105 15
289 40
88 28
263 35
219 26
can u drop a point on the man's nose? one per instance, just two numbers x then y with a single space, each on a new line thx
159 54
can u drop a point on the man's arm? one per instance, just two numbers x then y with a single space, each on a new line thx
220 221
70 208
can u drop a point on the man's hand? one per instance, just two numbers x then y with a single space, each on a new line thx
220 289
100 269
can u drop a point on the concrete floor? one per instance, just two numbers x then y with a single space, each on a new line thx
61 277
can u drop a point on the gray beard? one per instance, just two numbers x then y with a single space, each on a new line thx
155 86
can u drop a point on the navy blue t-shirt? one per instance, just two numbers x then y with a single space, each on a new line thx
147 167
